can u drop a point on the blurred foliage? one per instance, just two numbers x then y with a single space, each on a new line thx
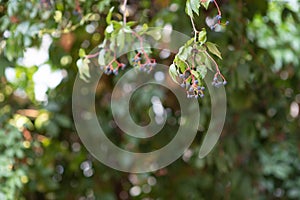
257 156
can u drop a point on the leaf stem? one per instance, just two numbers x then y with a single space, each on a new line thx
194 28
92 55
141 45
219 11
124 12
216 64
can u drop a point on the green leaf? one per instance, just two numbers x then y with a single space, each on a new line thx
202 70
102 4
23 27
131 23
155 34
81 53
101 57
127 29
184 52
145 27
109 15
116 24
121 39
195 5
180 64
189 42
109 29
112 45
63 121
205 4
83 68
202 36
208 63
195 73
130 56
188 9
58 16
103 44
173 72
213 49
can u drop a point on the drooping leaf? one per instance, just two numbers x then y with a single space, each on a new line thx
173 72
83 68
213 49
101 57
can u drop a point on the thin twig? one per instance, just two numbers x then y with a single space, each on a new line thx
216 64
213 60
194 28
219 11
142 45
92 55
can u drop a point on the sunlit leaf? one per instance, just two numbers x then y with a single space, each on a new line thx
173 72
109 15
188 9
110 28
202 36
205 4
195 5
101 57
83 68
